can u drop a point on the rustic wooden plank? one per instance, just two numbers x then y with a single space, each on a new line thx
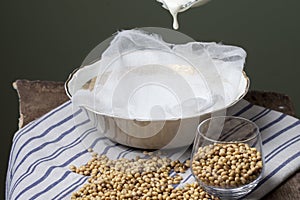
272 100
39 97
36 98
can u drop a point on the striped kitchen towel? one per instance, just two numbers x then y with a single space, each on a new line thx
43 150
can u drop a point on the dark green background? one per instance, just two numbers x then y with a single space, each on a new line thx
46 40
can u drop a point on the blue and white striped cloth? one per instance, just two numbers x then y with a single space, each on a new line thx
43 150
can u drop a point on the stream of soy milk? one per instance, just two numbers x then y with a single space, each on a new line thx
176 6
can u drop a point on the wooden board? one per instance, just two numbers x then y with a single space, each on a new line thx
36 98
39 97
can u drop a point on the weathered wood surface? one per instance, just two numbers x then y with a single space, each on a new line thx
36 98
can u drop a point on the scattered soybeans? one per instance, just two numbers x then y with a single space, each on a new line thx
140 178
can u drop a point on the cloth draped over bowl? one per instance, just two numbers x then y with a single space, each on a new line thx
142 77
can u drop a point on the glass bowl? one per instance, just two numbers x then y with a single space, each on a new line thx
227 157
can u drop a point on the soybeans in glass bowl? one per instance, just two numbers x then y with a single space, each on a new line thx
227 157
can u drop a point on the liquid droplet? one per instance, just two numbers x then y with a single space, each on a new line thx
175 21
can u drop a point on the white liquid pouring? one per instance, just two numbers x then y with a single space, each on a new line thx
176 6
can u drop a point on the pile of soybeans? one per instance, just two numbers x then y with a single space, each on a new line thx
139 178
227 165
